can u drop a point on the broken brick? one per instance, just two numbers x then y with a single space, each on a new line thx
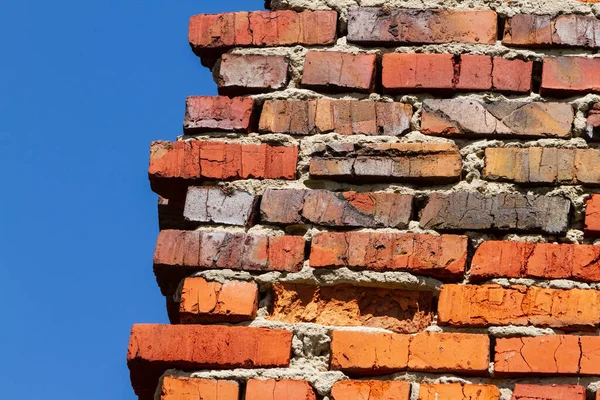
180 388
283 389
422 72
592 216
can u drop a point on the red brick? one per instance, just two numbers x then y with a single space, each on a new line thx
506 259
155 348
346 117
208 302
417 72
262 28
369 353
475 73
176 165
250 73
457 391
389 26
217 113
439 256
179 388
370 390
592 216
512 75
336 71
486 305
400 311
549 392
570 75
450 353
181 253
285 389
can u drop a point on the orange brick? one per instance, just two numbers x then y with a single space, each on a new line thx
450 352
155 348
284 389
570 75
329 70
472 305
592 216
370 390
549 392
417 72
175 388
369 353
457 391
206 302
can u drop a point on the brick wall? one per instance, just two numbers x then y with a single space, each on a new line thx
382 203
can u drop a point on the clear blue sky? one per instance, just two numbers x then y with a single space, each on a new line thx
85 86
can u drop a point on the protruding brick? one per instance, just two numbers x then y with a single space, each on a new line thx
251 73
458 391
180 253
214 205
401 311
549 392
155 348
486 305
260 29
346 117
284 389
512 75
176 165
208 302
217 113
439 256
543 165
505 259
503 211
370 390
450 353
544 30
566 76
471 118
404 162
475 73
179 388
322 207
412 71
592 216
385 26
337 71
369 353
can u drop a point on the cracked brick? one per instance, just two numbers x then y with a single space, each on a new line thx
213 205
250 73
567 76
280 389
471 118
217 113
180 388
458 391
504 211
337 71
592 216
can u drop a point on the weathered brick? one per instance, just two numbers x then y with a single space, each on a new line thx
471 118
439 256
208 302
450 352
179 388
180 253
322 207
506 259
400 311
422 72
217 113
458 391
545 30
346 117
176 165
385 26
370 390
566 76
260 29
404 162
284 389
251 73
337 71
214 205
369 353
543 165
550 354
155 348
549 392
503 211
513 76
592 216
486 305
475 73
592 128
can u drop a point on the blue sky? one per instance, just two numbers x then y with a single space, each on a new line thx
85 87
